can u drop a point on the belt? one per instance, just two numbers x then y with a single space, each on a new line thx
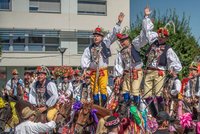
101 71
151 68
133 70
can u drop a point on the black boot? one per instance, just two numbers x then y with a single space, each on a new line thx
151 106
161 104
103 100
96 99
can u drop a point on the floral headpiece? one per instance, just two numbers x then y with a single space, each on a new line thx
163 32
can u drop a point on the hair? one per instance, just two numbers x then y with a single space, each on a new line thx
101 129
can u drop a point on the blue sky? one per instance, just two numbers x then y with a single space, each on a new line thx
190 7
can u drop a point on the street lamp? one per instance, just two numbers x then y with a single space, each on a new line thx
62 51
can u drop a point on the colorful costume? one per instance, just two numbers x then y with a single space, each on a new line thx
96 57
160 58
44 94
129 65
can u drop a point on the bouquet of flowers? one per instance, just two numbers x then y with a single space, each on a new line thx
63 71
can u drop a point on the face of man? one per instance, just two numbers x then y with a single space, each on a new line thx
65 80
15 76
27 77
77 77
125 43
162 40
41 77
193 72
97 39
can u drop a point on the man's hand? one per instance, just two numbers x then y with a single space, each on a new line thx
42 109
147 11
172 73
120 17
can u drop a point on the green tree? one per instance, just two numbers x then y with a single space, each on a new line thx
182 42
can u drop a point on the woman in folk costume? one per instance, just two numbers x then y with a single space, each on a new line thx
44 94
161 59
95 58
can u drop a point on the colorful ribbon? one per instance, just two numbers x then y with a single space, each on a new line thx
94 116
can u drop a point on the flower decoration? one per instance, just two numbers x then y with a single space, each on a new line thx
186 120
119 35
163 32
63 71
98 29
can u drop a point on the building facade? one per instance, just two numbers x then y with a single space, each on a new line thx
32 30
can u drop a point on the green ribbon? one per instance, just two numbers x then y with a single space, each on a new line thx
136 117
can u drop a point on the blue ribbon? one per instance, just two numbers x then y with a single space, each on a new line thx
77 106
94 116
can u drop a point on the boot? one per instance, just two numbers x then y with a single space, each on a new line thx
152 106
103 100
126 97
96 99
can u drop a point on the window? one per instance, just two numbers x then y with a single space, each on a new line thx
5 47
84 40
82 44
35 39
93 7
18 47
35 47
51 40
48 6
51 48
4 39
5 4
18 39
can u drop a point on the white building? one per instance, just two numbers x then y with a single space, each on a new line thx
32 30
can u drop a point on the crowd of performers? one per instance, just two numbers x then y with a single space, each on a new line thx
142 100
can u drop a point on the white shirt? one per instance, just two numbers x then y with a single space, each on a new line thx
68 91
29 127
51 90
177 87
173 62
108 40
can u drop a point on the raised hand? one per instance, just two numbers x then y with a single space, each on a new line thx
147 11
120 17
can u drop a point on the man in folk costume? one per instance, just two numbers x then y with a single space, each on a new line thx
95 58
65 87
160 59
172 89
77 83
28 81
44 94
129 66
14 84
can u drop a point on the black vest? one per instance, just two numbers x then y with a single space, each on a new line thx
47 96
135 54
162 59
106 53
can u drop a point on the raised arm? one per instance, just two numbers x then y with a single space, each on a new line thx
111 36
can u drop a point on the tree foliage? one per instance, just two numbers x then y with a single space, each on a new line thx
183 42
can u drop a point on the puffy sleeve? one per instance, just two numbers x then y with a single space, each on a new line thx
177 87
42 127
111 36
173 61
53 92
118 67
69 91
8 85
85 59
147 27
32 95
